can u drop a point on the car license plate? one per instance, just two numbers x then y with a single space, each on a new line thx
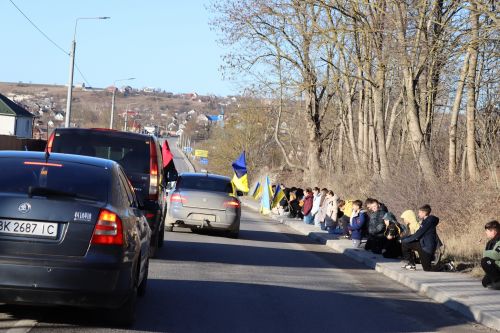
203 217
28 228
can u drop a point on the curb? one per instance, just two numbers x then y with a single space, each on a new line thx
454 290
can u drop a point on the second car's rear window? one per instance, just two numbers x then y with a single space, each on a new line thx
131 153
204 183
83 180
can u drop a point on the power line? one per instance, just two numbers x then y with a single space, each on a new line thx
83 76
50 40
40 30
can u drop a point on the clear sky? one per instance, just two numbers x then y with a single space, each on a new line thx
164 44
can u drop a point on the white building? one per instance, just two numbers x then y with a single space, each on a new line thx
14 119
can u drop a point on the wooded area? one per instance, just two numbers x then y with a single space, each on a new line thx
365 95
379 77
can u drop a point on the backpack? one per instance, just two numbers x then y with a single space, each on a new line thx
439 252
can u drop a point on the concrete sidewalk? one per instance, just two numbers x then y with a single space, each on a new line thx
455 290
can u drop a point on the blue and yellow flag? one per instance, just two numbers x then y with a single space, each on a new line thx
257 191
265 201
278 196
240 178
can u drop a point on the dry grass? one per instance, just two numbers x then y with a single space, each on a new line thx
463 209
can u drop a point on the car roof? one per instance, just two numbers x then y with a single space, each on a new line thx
203 174
107 131
81 159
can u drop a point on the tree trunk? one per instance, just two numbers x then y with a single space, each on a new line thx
378 113
314 136
361 125
373 142
471 95
452 150
421 151
350 123
366 127
392 121
340 151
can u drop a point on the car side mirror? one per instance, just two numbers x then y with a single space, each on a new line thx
239 193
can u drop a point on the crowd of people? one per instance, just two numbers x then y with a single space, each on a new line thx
371 225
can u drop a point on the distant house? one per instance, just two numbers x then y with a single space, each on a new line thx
14 119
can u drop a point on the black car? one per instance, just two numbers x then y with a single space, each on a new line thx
71 233
140 156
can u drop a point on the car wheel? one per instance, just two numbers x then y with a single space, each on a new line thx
141 290
161 239
124 316
153 247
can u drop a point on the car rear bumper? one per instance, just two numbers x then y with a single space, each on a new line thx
83 286
223 220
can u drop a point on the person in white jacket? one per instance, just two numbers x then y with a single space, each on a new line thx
316 203
319 218
331 212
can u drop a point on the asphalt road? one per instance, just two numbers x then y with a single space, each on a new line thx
269 280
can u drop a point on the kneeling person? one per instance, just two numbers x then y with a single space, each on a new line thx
491 256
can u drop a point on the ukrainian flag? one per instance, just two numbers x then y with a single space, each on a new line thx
257 191
265 202
240 178
278 195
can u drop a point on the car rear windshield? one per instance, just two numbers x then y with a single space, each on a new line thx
85 181
131 153
204 183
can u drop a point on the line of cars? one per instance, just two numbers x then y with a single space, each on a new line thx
79 222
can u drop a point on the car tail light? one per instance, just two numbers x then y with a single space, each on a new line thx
233 203
50 141
108 229
153 171
177 197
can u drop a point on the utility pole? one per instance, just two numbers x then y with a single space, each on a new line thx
67 120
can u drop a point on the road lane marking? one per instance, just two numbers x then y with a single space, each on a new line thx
22 326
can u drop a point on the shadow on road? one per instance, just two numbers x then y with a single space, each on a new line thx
239 254
203 306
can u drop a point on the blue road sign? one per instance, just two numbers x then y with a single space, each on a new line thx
203 160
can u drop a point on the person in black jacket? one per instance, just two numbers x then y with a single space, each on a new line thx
424 241
376 226
491 256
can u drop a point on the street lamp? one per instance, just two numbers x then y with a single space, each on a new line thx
113 99
72 67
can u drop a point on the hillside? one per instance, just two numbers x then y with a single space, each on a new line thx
92 107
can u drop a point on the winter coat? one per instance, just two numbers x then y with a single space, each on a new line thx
321 214
376 225
426 235
492 250
316 203
356 223
411 219
332 208
308 204
347 210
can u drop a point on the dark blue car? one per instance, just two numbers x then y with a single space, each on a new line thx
71 233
